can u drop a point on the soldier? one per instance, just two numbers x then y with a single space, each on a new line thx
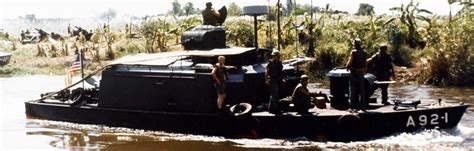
127 30
43 34
383 69
210 15
69 30
357 65
219 74
23 36
274 78
302 97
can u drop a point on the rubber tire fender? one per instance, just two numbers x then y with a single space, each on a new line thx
77 96
241 109
349 122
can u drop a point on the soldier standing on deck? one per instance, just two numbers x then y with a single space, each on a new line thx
357 65
274 78
383 69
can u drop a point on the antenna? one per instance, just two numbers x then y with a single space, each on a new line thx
296 29
311 11
310 51
270 26
278 24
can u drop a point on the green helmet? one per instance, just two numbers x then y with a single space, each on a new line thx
275 53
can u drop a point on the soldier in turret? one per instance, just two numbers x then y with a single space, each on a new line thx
210 15
357 64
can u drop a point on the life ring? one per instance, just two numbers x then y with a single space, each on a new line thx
349 126
77 96
240 109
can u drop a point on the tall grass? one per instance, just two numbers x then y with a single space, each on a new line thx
451 61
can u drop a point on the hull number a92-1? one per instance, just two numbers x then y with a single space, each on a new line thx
423 120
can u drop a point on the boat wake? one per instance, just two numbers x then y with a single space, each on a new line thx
461 137
70 135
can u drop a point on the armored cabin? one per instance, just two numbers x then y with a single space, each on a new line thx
181 81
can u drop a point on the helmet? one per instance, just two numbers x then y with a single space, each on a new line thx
275 53
357 41
304 76
208 4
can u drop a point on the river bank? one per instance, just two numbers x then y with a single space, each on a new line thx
25 61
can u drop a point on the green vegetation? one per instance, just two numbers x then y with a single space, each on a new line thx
450 57
186 10
365 9
234 10
438 49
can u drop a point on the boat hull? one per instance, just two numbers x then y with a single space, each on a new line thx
208 124
360 126
343 126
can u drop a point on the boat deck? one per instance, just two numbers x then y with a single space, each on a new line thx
329 111
374 108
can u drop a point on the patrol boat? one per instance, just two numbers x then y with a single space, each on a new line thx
174 92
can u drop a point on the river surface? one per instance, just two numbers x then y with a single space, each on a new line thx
19 133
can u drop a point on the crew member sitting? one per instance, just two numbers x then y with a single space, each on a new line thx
302 97
210 15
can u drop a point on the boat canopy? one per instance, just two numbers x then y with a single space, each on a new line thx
167 58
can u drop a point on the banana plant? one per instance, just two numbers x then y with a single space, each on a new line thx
311 32
240 32
288 36
375 24
407 16
156 32
184 24
374 27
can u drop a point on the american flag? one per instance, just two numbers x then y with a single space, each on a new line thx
76 65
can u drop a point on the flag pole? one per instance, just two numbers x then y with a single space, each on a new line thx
81 56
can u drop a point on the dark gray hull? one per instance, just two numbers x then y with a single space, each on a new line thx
324 124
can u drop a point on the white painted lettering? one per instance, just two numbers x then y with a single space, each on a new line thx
434 119
410 122
423 120
446 117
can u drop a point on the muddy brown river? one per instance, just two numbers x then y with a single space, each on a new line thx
19 133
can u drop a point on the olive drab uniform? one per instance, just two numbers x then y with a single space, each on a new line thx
208 17
357 88
221 73
301 100
275 73
383 70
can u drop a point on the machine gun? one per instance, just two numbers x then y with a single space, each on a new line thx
402 103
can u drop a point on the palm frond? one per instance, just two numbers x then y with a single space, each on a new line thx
424 11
